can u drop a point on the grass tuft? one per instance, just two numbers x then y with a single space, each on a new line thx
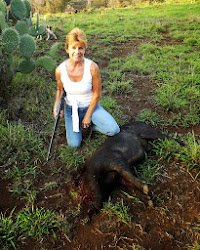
119 211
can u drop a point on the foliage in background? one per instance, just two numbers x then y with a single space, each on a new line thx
17 43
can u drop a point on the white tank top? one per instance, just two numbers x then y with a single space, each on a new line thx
81 91
78 94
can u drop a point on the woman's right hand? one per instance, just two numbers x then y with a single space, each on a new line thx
55 113
59 93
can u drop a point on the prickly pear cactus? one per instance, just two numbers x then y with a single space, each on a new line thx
10 40
2 21
27 45
18 9
3 7
21 27
46 62
15 34
26 66
28 8
37 29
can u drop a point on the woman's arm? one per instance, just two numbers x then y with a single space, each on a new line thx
96 88
59 92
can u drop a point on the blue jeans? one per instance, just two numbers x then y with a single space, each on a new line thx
102 121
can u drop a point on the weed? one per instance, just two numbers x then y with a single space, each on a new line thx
50 185
30 197
192 117
3 117
148 170
71 157
19 144
8 229
190 155
195 246
121 86
36 222
18 173
133 198
110 105
166 149
162 210
169 97
192 41
119 211
149 117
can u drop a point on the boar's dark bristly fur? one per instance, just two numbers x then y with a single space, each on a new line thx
111 164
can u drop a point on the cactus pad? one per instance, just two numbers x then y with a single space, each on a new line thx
18 9
21 27
27 45
28 8
10 40
35 32
3 7
26 66
46 62
2 21
54 50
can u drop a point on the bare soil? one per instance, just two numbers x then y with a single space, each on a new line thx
171 224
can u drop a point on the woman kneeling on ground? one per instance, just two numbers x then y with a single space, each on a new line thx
79 77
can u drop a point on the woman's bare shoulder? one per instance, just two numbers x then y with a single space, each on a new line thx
57 72
94 68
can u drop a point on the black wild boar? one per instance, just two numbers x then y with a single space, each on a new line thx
111 164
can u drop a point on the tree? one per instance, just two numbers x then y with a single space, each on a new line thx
54 6
37 5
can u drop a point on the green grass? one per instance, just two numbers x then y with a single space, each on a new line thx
118 210
27 122
188 156
71 157
195 246
120 86
110 105
148 170
19 144
176 70
36 222
150 117
29 222
8 230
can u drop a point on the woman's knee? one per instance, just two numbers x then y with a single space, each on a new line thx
113 130
73 139
74 144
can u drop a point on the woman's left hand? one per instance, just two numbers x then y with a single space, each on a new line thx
86 122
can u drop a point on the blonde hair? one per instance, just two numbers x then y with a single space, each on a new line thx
76 35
